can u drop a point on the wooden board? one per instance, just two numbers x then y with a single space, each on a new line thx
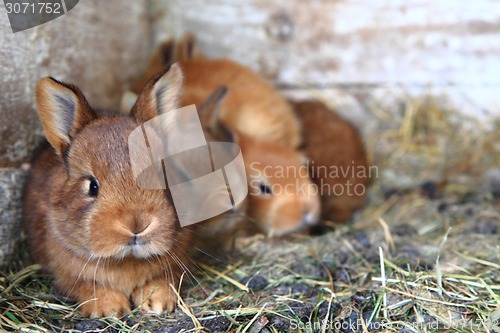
99 45
450 47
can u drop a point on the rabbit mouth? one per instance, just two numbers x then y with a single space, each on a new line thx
138 251
307 222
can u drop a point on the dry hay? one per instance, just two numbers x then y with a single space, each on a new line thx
423 256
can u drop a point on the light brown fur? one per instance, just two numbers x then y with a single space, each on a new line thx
252 107
263 124
86 241
331 141
292 204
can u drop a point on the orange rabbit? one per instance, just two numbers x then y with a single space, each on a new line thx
263 124
282 199
107 242
252 106
338 163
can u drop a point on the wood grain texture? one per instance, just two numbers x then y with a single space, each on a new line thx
99 45
11 183
448 46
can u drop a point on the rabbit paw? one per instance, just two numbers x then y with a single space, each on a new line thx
155 297
106 303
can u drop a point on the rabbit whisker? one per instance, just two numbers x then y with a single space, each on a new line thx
78 277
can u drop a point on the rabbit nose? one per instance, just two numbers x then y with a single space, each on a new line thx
308 218
136 239
139 225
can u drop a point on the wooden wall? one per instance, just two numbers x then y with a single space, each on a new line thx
380 50
101 46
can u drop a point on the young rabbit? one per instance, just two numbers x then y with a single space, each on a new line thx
282 198
253 106
108 243
338 163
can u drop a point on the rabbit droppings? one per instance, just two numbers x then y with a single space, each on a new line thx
108 243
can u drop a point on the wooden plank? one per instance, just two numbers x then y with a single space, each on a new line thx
11 183
452 46
347 41
101 46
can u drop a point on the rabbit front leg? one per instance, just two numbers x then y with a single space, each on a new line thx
100 301
156 296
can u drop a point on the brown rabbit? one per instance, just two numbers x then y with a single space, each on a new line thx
338 163
263 124
108 243
281 199
252 107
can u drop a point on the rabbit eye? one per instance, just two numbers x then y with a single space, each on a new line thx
265 189
93 187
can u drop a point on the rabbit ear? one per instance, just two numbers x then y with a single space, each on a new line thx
167 53
160 94
63 112
209 112
186 48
